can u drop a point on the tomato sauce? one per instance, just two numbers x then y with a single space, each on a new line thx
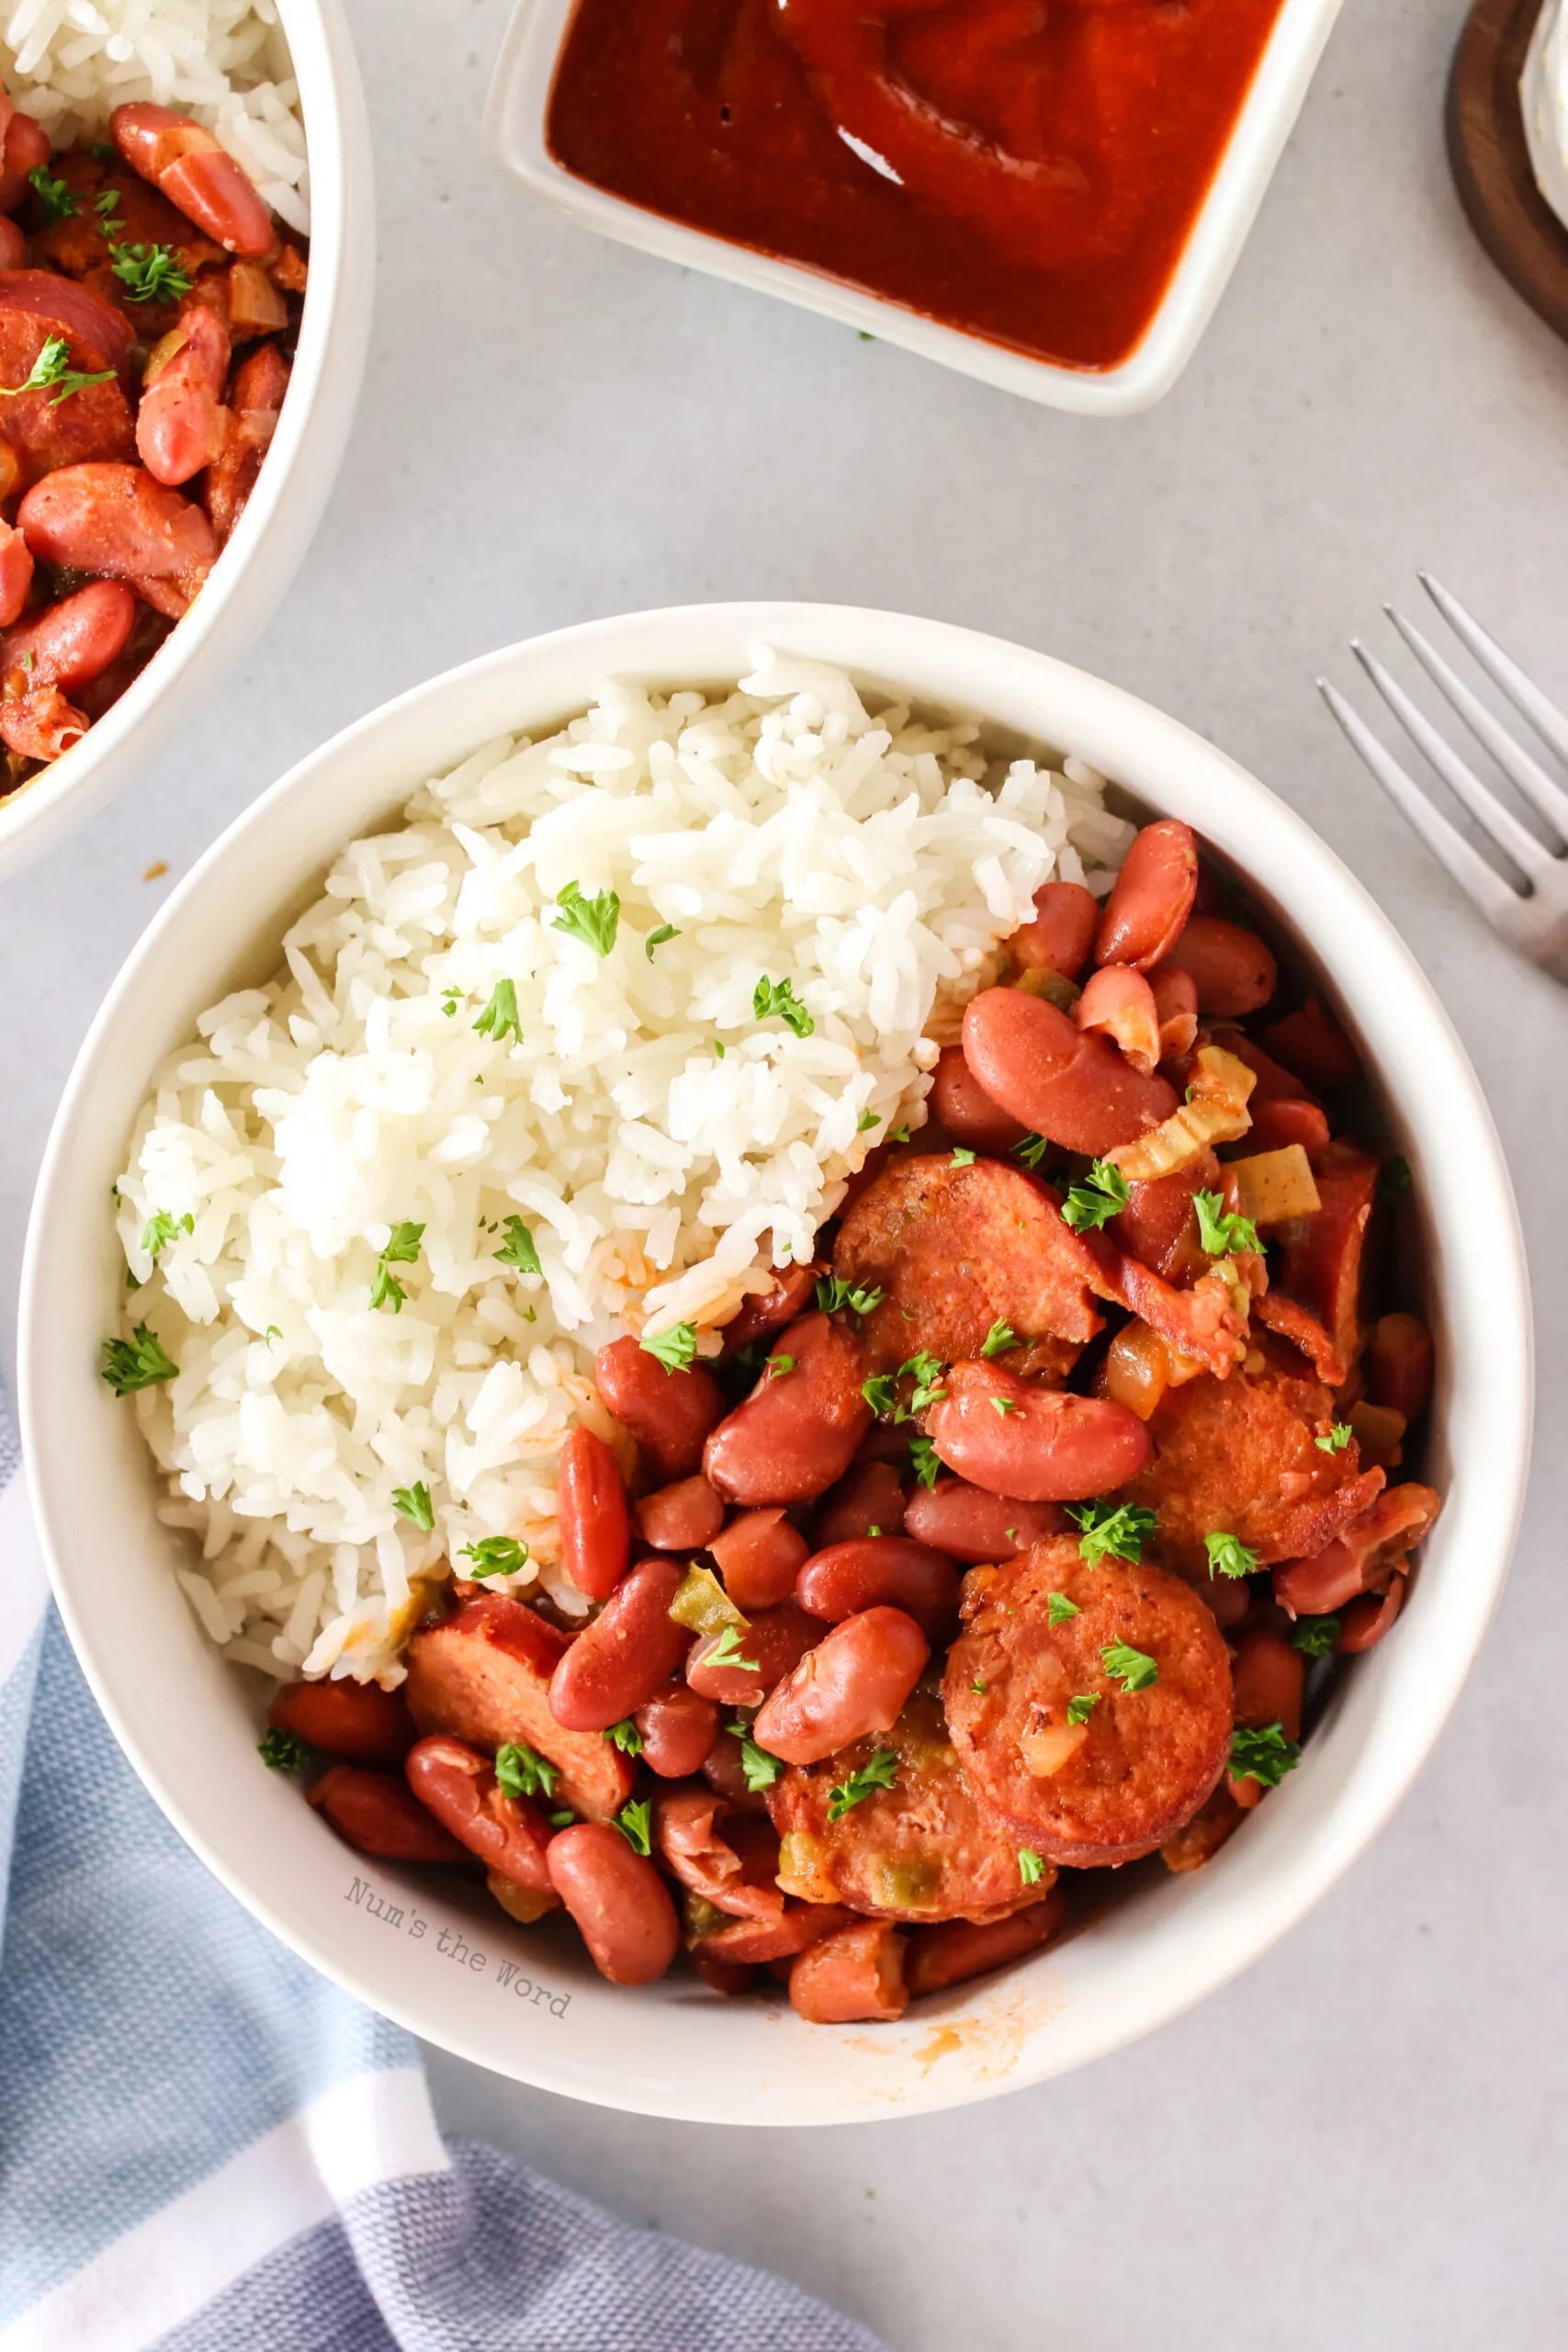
1024 170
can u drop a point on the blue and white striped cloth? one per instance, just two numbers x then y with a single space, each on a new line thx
206 2147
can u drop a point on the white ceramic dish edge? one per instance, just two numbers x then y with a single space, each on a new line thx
675 2051
268 543
515 131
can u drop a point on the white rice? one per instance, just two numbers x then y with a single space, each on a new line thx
224 62
876 863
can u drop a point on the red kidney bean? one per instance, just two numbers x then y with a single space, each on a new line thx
796 1928
1367 1618
1315 1048
358 1720
678 1729
1281 1122
16 572
859 1972
1059 940
1120 1004
870 1500
958 1949
256 398
763 1312
380 1814
964 1108
844 1578
682 1518
720 1975
669 1413
1399 1365
776 1640
1233 969
797 1431
1361 1556
117 521
1176 1010
621 1905
47 659
591 1503
1041 1444
182 424
854 1681
971 1525
1069 1085
1266 1675
1151 898
724 1771
1227 1597
625 1654
459 1787
758 1556
185 163
24 147
13 245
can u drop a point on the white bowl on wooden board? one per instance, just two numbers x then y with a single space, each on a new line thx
443 1961
515 129
253 573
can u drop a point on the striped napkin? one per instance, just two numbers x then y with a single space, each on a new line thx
206 2147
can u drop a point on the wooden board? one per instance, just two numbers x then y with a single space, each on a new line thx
1491 162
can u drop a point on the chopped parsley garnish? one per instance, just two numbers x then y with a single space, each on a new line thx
881 1391
1396 1182
961 1157
1335 1440
1220 1231
150 272
925 1460
771 997
273 1331
562 1820
833 1291
283 1751
1119 1528
1103 1192
137 1362
1081 1706
517 1250
999 1339
674 1348
625 1736
106 206
403 1249
451 998
877 1774
1030 1866
521 1771
160 1230
593 921
1228 1556
979 1686
634 1824
1315 1636
725 1651
900 1135
776 1366
1134 1669
501 1013
1032 1149
1059 1608
414 1502
495 1555
1004 1404
1265 1756
52 368
657 938
868 1119
761 1769
60 203
718 1047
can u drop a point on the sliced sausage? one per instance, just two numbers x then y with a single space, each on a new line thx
854 1681
868 1570
959 1949
1119 1782
797 1433
377 1814
485 1678
1067 1084
759 1556
971 1525
669 1413
625 1654
857 1973
621 1905
1321 1261
1151 898
44 430
356 1719
1373 1547
459 1787
1014 1437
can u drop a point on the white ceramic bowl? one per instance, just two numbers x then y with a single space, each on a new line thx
514 129
438 1961
248 581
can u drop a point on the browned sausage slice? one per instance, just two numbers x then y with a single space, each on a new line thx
958 1250
485 1678
1119 1782
1322 1261
923 1848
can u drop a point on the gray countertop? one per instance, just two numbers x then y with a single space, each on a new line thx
1360 2143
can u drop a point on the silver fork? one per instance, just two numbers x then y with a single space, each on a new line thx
1533 918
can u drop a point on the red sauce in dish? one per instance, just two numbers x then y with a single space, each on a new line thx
1024 170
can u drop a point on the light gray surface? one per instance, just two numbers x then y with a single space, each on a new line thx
1361 2142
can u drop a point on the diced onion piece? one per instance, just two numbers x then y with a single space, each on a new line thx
1274 1186
255 306
1217 1114
524 1903
1137 1368
703 1606
1044 1752
167 347
1379 1432
802 1870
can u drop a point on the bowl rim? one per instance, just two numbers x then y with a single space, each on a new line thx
518 102
1099 719
256 563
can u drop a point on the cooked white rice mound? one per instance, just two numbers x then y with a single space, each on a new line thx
663 1145
224 62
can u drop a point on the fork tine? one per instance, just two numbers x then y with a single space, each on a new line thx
1501 668
1498 902
1514 839
1516 762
